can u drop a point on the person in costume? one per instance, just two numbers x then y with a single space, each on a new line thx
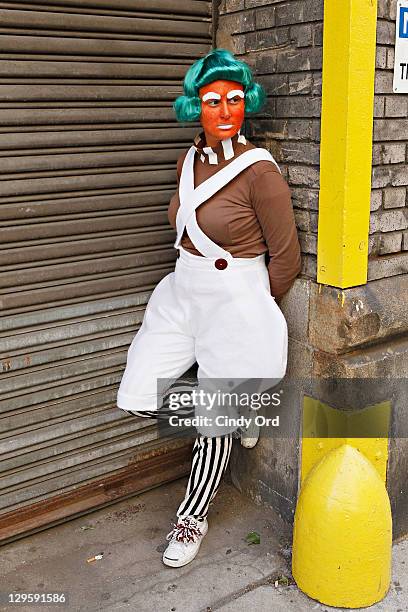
219 307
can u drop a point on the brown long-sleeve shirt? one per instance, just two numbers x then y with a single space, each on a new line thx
251 215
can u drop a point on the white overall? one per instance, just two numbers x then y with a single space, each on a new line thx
216 309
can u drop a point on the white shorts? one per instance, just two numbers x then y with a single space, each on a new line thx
226 320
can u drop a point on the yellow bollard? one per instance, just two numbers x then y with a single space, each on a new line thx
343 532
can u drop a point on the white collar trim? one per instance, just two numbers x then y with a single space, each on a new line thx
212 156
227 148
241 138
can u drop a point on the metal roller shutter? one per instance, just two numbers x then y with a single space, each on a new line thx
88 145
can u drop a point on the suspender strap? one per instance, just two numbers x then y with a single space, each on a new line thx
191 199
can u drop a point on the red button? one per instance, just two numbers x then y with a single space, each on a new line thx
221 264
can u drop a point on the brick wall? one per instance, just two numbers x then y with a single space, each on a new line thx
388 243
282 41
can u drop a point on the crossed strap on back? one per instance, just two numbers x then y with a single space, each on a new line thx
191 198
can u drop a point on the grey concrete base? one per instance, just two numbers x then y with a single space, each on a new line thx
268 598
268 474
132 536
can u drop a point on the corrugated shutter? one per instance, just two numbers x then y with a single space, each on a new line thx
88 146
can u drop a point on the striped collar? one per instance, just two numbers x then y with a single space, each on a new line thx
225 150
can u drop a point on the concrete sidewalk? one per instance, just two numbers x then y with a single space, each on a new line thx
228 574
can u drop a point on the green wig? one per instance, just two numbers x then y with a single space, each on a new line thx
219 64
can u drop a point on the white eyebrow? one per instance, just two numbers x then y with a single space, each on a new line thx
235 92
211 95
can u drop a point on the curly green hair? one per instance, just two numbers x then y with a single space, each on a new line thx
219 64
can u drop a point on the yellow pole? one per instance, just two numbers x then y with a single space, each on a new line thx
349 46
343 532
343 528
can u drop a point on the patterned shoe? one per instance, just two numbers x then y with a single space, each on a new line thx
185 541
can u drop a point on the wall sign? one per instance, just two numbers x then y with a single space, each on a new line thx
400 84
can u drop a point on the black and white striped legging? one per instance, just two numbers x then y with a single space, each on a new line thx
210 458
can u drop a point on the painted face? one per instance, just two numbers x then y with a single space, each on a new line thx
222 110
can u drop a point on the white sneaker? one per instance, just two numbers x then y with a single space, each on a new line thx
250 435
185 541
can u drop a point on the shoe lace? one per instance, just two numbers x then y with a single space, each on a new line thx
186 530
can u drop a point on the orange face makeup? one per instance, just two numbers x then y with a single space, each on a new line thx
222 110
